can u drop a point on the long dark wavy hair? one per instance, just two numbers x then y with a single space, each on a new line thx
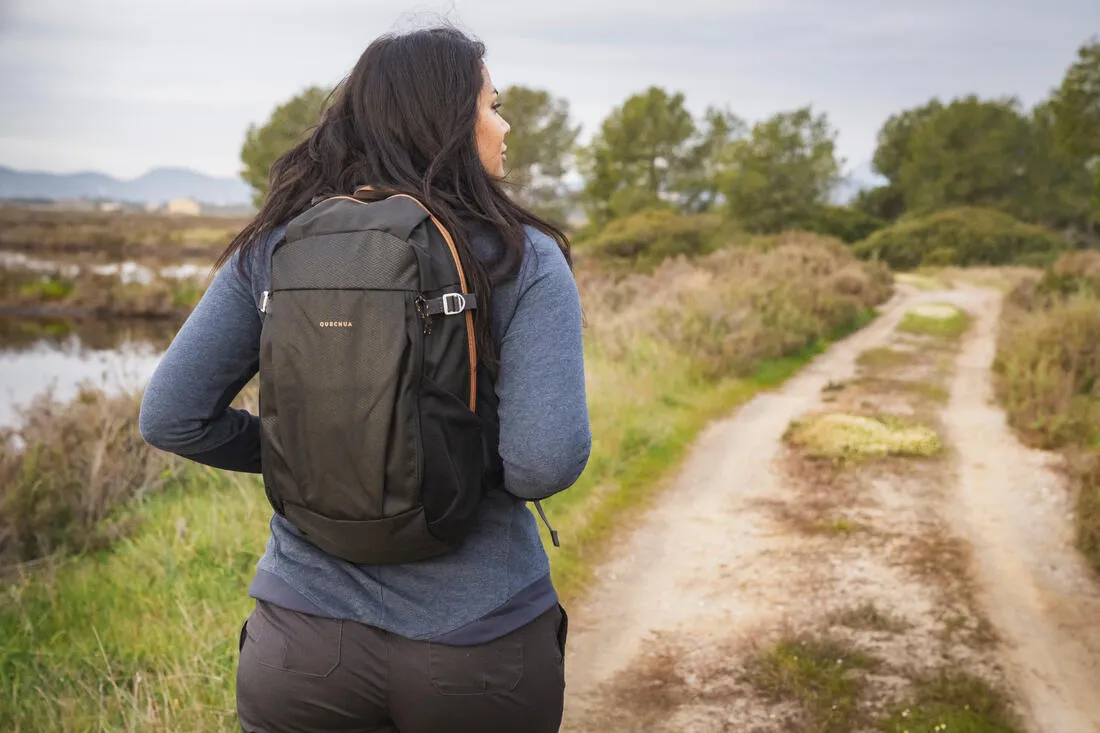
403 121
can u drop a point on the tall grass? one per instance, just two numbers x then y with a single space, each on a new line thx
1048 374
142 635
64 470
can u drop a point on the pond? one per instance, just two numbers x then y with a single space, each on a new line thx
43 349
37 356
129 271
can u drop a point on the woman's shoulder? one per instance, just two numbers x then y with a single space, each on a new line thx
542 253
253 264
540 242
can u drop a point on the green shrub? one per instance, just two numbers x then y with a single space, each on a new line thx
844 223
652 235
962 236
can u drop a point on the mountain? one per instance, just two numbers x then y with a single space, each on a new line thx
156 186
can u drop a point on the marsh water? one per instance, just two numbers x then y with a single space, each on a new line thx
42 351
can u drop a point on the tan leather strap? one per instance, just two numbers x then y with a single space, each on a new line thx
470 333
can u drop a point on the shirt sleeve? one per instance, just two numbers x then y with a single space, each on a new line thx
545 438
185 408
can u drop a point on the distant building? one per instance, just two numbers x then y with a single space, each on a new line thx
183 207
110 206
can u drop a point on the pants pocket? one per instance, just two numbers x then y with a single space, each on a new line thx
295 642
476 670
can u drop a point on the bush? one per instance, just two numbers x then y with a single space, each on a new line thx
77 462
1048 371
963 236
736 307
1048 375
1073 273
844 222
652 235
1088 512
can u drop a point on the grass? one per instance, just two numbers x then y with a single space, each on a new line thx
1088 512
1047 375
104 295
934 319
919 281
142 635
825 678
952 701
46 289
842 527
849 437
923 389
819 674
883 357
868 617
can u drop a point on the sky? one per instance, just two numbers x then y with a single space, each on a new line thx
123 86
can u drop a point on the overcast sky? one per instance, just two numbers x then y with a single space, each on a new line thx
122 86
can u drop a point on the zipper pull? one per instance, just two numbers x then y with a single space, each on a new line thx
264 297
553 534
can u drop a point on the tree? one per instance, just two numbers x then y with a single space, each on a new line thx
1059 185
1075 108
1076 104
641 149
698 184
882 202
539 149
287 126
779 177
894 138
971 152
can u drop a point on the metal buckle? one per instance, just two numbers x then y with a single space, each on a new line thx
453 304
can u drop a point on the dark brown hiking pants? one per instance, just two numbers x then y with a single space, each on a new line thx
307 674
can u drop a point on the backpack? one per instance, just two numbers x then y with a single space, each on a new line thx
371 441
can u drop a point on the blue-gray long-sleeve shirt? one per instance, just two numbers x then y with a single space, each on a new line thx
498 580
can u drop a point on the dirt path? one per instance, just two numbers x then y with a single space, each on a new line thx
749 545
1036 587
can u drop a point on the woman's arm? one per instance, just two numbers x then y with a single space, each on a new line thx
185 409
545 438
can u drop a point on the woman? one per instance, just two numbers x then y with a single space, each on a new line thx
472 640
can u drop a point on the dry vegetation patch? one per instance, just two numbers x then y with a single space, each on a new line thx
1047 375
883 357
935 319
851 437
115 235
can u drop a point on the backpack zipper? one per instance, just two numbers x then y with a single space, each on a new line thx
264 297
553 533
